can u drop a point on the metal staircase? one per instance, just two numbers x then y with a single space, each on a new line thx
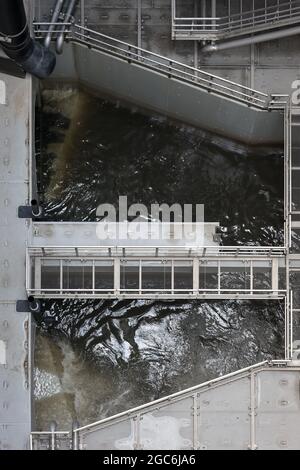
168 67
247 409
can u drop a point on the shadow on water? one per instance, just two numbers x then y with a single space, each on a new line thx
99 358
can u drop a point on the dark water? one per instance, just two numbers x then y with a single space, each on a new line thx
103 152
99 358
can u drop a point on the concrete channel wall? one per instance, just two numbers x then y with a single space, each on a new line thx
15 326
168 96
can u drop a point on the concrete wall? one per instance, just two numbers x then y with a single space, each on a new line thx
16 327
180 101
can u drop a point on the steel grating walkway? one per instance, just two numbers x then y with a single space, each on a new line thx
215 21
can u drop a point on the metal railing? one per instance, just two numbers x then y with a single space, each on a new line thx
137 251
168 67
145 272
50 440
247 21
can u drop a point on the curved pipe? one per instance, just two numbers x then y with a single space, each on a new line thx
61 37
17 42
56 13
252 40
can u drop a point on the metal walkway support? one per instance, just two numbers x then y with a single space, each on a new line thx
233 19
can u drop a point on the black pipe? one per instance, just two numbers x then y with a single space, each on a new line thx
17 43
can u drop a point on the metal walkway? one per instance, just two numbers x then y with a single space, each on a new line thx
156 272
67 260
219 21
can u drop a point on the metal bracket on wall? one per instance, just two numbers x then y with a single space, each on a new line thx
22 306
25 212
34 211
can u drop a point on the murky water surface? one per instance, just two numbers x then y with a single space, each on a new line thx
101 357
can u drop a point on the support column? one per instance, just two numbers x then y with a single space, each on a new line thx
196 11
203 10
117 275
139 23
213 10
196 275
37 274
82 12
275 268
252 66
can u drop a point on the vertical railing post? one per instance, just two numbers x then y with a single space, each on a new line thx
37 274
75 440
172 276
173 18
195 422
251 277
82 12
117 276
196 276
140 277
139 25
136 432
93 276
61 276
53 436
253 445
275 269
213 12
266 9
203 13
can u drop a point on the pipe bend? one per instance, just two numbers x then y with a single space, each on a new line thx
21 47
59 43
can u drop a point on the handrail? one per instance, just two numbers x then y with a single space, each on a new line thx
182 394
249 15
220 290
174 62
239 22
155 251
169 67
